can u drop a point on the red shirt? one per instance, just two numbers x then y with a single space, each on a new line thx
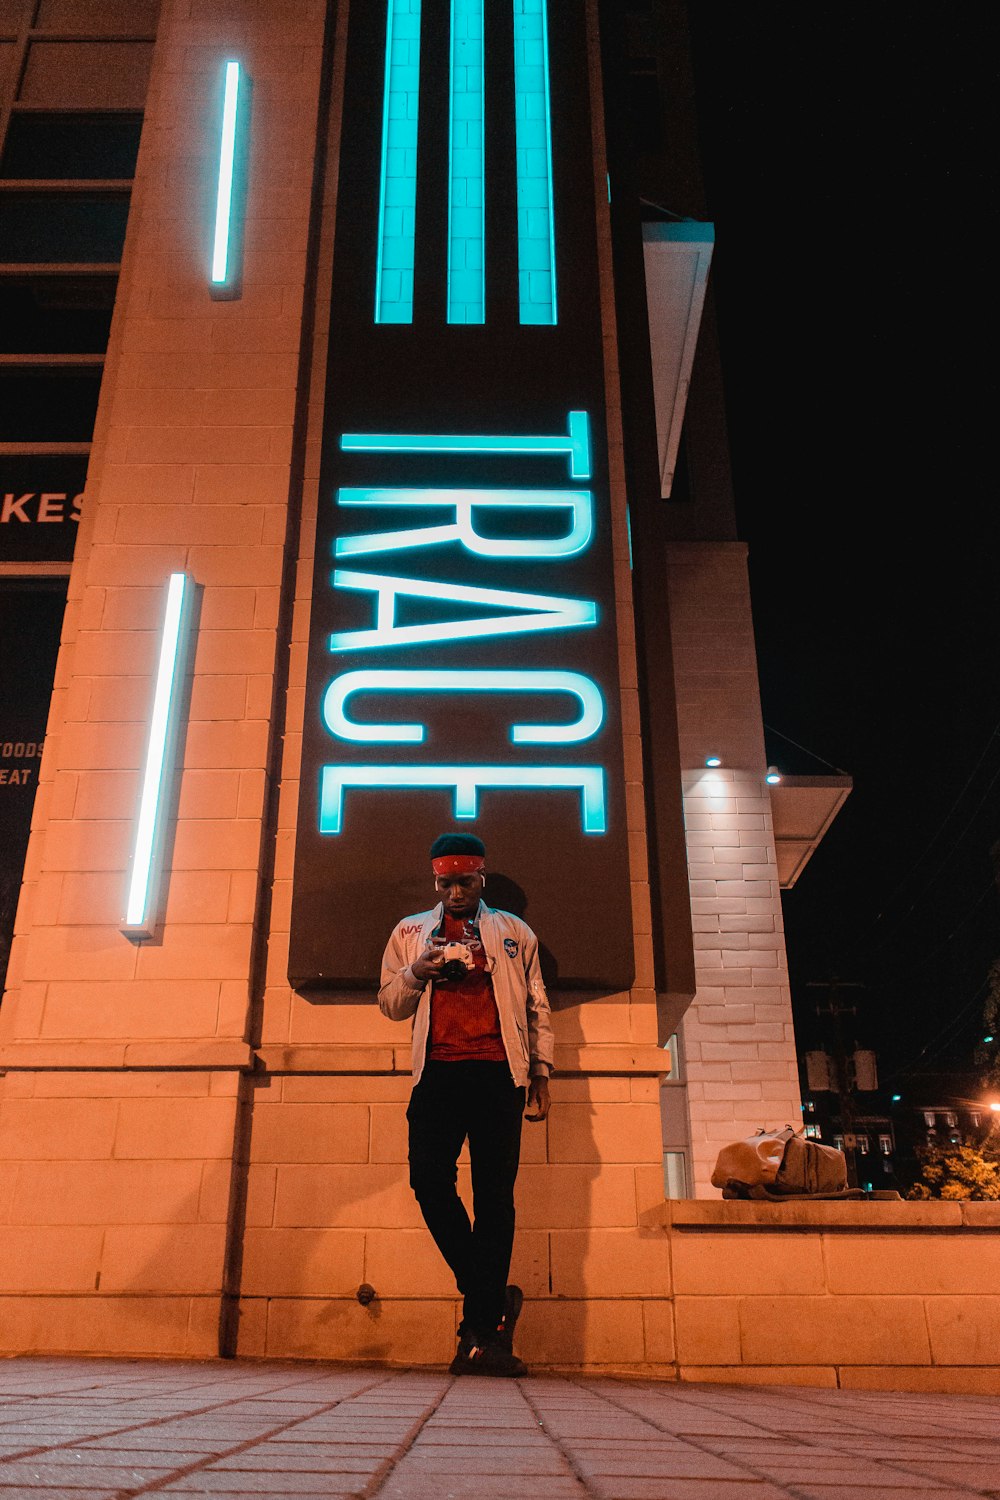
465 1023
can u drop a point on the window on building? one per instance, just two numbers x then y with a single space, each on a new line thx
673 1051
861 1142
55 314
71 145
838 1141
81 228
47 408
929 1119
674 1174
974 1118
885 1144
813 1133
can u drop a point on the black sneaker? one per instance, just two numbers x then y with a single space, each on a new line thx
512 1303
486 1357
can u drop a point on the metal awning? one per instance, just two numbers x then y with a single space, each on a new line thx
803 807
677 258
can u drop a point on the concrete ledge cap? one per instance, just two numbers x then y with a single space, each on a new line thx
318 1057
981 1215
717 1214
612 1058
224 1053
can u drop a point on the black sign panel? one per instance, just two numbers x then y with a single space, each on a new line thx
30 621
40 506
463 667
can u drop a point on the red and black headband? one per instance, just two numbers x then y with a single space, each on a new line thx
458 864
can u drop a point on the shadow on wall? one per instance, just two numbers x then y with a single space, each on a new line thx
505 894
320 1225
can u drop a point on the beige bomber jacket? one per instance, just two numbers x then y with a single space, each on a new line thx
522 1003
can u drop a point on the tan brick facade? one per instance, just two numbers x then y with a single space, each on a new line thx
194 1157
738 1038
120 1193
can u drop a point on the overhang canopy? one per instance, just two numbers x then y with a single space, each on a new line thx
677 257
803 807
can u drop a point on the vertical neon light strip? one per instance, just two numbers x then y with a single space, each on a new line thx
140 906
227 162
466 165
397 205
536 234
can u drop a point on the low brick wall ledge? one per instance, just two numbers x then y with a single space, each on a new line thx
718 1214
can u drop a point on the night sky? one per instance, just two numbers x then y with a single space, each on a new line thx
848 170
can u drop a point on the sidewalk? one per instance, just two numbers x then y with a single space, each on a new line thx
103 1428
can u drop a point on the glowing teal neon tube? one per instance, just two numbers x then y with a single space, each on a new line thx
575 443
464 504
144 873
529 681
466 783
536 234
540 612
466 165
227 164
397 203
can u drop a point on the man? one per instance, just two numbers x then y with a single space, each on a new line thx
481 1038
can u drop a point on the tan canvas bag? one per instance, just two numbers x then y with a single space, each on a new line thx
779 1164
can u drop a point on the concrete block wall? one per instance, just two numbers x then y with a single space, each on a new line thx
117 1112
114 1199
329 1207
738 1037
877 1296
329 1204
116 1052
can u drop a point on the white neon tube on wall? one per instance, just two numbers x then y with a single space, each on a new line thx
144 874
227 163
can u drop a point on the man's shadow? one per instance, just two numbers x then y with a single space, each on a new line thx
558 1206
503 892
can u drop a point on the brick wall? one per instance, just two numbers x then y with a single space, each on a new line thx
739 1041
329 1204
114 1196
330 1207
207 458
882 1296
116 1182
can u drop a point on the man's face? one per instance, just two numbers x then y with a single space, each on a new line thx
460 893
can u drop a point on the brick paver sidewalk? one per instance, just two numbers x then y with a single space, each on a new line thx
97 1429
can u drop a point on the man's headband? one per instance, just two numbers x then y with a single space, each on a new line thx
458 864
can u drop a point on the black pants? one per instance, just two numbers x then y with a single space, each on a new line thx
478 1100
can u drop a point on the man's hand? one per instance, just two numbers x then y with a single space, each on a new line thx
538 1100
428 965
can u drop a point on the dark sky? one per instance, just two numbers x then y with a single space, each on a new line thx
848 165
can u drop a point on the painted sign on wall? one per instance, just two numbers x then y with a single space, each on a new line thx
30 621
463 668
40 501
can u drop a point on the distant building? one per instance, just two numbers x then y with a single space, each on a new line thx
867 1137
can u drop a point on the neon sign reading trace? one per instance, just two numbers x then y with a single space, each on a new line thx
535 612
466 782
466 165
464 503
536 242
574 683
397 203
463 653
